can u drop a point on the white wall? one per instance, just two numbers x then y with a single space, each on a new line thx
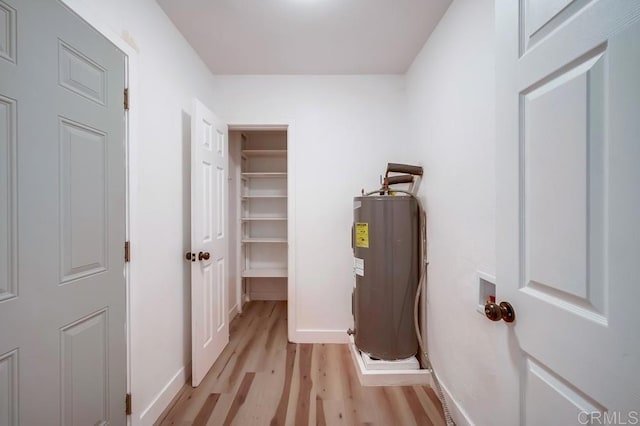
346 130
168 76
451 91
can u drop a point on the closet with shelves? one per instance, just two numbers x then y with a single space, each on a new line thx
262 214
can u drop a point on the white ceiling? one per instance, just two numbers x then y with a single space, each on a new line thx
306 36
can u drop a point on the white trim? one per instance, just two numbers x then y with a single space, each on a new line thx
268 295
233 312
289 126
459 415
162 400
258 127
487 277
292 304
92 17
237 179
306 335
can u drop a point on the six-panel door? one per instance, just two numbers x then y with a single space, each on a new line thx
62 205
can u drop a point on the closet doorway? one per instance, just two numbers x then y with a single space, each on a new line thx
260 208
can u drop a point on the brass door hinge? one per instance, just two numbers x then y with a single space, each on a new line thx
127 251
127 403
126 99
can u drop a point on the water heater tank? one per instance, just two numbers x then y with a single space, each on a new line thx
386 244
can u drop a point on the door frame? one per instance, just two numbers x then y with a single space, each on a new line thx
289 126
95 20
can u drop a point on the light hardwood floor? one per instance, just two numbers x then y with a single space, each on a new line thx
261 379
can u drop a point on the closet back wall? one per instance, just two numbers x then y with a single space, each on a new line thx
346 129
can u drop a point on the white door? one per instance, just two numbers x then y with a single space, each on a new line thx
62 218
209 188
568 243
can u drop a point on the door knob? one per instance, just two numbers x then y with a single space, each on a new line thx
203 255
190 256
503 311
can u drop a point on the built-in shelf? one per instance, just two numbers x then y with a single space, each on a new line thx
248 197
264 273
250 175
263 215
248 219
264 240
264 153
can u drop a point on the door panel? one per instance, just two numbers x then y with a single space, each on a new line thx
541 18
564 264
568 204
8 246
8 32
80 74
538 13
207 203
209 305
83 201
220 310
551 400
220 213
62 192
9 388
210 327
84 372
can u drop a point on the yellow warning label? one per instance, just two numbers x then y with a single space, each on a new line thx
362 235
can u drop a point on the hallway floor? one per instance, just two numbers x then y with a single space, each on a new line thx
261 379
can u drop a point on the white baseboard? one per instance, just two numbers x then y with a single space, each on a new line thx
460 417
233 312
268 295
320 336
162 399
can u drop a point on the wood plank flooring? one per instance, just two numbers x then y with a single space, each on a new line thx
261 379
